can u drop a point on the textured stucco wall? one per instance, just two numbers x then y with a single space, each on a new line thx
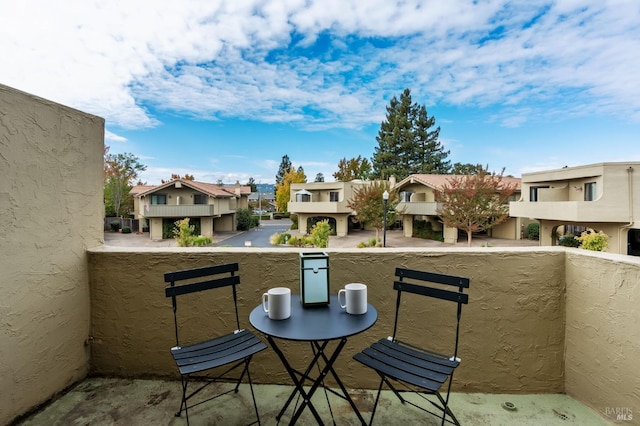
512 330
51 210
603 333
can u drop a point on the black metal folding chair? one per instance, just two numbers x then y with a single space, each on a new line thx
419 370
231 351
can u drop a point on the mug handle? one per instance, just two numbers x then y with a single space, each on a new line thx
265 296
342 291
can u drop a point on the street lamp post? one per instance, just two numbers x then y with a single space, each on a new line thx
259 203
385 199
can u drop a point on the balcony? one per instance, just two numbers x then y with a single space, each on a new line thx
189 210
571 211
537 321
418 208
319 207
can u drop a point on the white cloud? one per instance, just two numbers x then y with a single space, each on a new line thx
110 136
257 59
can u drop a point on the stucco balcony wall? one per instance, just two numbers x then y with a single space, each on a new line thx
512 330
424 208
319 207
543 320
193 210
571 211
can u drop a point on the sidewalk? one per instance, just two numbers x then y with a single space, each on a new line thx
394 239
142 240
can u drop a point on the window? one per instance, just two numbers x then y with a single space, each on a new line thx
200 199
303 197
589 191
334 196
533 192
405 196
158 199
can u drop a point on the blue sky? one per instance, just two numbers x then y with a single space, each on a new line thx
223 89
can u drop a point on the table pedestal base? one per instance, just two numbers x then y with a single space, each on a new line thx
320 352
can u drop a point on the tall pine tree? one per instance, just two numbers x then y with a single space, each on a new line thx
285 165
407 144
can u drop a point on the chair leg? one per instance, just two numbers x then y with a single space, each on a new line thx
446 410
375 404
253 396
245 370
394 390
183 403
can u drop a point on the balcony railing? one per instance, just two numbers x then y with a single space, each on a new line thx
193 210
571 211
319 207
536 320
419 208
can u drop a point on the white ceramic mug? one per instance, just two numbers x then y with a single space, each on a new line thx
277 303
355 295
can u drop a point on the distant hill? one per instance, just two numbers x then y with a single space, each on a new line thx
266 187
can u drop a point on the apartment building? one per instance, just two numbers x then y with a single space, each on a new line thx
418 202
325 199
210 207
604 197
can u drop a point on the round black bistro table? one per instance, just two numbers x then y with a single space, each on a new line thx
318 326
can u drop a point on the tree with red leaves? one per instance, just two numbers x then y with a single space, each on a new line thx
474 202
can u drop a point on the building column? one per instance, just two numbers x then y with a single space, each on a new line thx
302 223
407 225
342 226
206 226
155 228
450 235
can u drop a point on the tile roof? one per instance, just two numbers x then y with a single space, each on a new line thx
212 189
438 181
139 189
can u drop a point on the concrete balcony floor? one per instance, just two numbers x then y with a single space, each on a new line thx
112 401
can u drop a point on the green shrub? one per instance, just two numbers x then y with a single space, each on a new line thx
294 221
592 240
170 227
183 232
199 241
126 230
320 234
423 229
245 220
533 231
298 241
569 240
277 239
115 225
373 242
311 222
284 215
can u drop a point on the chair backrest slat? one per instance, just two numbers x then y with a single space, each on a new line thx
201 286
200 272
423 283
212 277
453 296
432 277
